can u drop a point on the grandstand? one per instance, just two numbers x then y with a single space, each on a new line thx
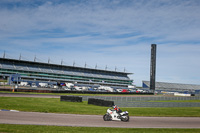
172 87
53 73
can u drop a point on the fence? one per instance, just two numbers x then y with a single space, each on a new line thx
158 104
151 101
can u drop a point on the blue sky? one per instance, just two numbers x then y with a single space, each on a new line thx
113 33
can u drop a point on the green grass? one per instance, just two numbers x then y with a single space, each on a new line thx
54 105
168 112
175 101
48 105
7 128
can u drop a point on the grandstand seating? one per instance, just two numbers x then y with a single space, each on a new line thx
173 86
64 72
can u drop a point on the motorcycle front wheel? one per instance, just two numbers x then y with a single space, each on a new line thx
125 119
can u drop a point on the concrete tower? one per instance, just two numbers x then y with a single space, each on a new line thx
153 67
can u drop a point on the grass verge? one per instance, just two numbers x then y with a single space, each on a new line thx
54 105
7 128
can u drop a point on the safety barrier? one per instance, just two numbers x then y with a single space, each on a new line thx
141 98
45 90
148 101
71 98
100 92
158 104
100 102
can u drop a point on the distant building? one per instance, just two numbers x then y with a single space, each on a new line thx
32 71
163 86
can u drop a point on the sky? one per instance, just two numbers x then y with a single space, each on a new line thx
112 34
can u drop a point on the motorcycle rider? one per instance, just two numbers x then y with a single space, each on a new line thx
118 110
115 113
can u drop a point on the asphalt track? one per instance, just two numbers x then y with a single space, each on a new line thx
34 118
28 95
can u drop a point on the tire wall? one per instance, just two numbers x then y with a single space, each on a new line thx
100 102
71 98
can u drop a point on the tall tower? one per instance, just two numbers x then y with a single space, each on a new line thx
153 67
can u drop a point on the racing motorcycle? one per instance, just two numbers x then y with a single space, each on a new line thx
113 115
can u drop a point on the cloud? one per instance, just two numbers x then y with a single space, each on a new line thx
145 17
114 33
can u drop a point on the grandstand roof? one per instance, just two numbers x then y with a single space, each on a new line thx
173 86
65 66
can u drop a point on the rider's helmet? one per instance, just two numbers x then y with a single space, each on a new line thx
115 106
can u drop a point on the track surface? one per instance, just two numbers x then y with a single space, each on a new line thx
28 95
33 118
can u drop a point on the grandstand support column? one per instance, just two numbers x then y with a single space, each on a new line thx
153 67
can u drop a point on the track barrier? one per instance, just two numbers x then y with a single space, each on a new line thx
100 102
71 98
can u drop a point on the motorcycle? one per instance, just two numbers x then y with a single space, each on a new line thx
113 115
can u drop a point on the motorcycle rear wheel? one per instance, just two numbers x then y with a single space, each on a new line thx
106 117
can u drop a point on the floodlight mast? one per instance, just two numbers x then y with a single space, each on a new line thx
153 68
